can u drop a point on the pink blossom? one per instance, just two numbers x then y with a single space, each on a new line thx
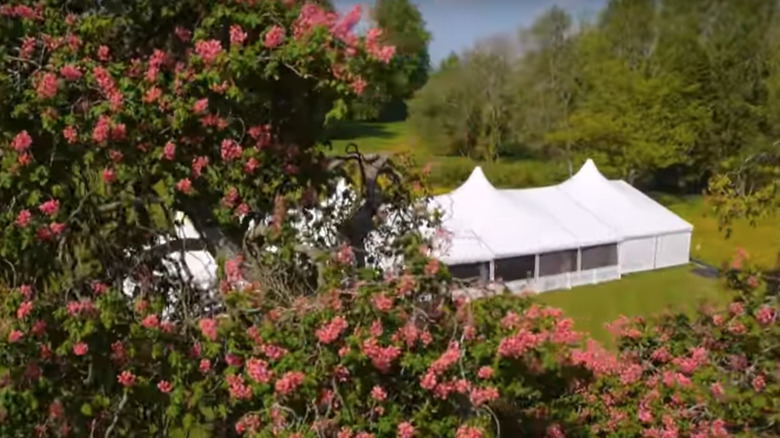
405 430
107 175
258 371
118 132
23 218
736 308
26 291
718 429
50 207
80 349
716 389
204 366
230 197
467 431
208 50
447 359
152 94
289 382
70 133
102 129
99 288
378 394
273 37
21 142
758 383
248 424
485 373
237 35
81 307
47 86
151 321
644 415
24 309
103 53
208 327
198 163
183 34
480 396
381 357
56 228
237 388
169 151
184 185
14 336
382 302
554 431
200 106
164 386
765 315
274 352
230 150
70 72
332 330
737 328
358 85
241 210
126 379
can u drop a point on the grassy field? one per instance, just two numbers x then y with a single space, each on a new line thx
634 295
593 306
761 241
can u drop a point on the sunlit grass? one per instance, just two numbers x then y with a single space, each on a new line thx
642 294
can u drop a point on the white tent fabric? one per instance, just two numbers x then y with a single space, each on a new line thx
585 213
556 206
622 207
457 244
505 229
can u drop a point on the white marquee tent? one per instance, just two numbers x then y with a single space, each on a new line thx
585 230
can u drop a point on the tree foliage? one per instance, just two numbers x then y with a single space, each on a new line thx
659 92
403 27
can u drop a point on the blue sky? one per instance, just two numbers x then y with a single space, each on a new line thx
458 24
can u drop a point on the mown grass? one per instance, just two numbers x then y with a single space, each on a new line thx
710 244
642 294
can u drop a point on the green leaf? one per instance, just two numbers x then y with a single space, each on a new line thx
86 409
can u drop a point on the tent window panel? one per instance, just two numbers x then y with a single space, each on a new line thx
599 256
555 263
515 268
470 271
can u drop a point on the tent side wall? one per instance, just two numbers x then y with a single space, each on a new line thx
673 249
637 255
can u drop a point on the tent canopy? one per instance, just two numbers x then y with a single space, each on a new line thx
624 208
504 227
484 223
558 208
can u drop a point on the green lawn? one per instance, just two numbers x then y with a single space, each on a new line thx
761 241
640 294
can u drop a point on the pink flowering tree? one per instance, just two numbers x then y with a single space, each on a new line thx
118 115
713 374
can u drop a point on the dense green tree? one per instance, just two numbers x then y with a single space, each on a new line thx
402 26
630 122
466 108
546 83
